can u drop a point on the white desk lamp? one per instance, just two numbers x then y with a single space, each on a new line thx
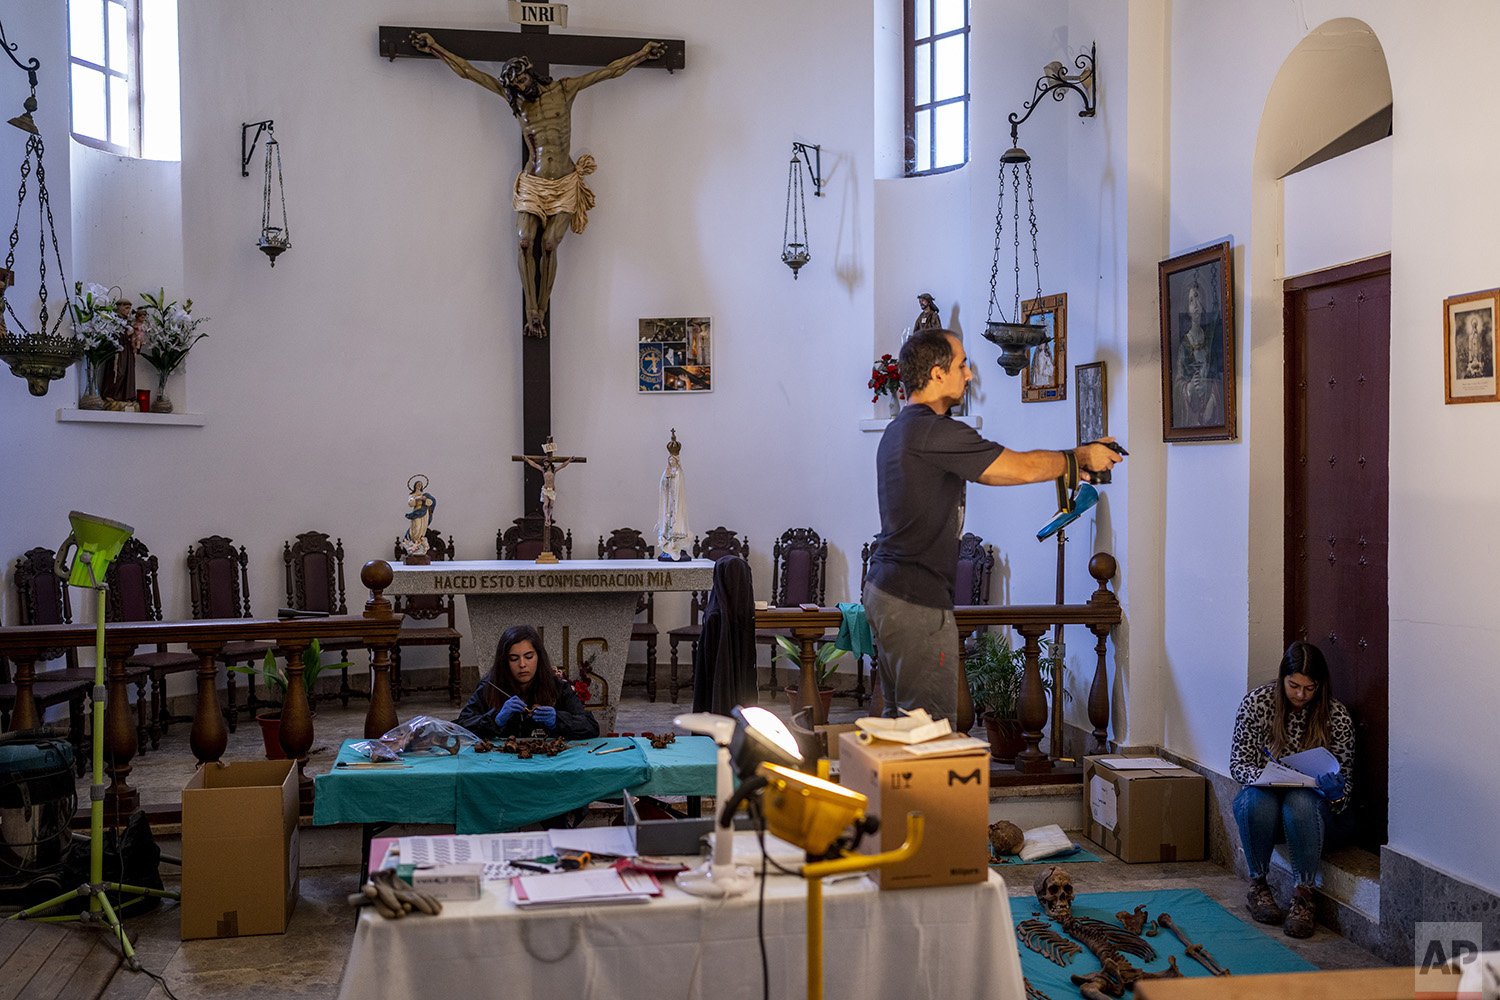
718 876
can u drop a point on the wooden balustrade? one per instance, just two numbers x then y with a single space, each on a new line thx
1099 615
376 629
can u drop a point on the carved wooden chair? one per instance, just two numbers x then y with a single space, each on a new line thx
135 596
523 540
219 587
628 543
315 583
42 599
799 575
713 545
428 621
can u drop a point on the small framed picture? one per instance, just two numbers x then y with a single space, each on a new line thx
674 354
1469 347
1091 393
1045 377
1196 292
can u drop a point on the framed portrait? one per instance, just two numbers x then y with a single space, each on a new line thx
1091 394
1196 292
1045 377
1469 347
674 354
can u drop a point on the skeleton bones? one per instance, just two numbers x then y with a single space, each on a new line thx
1054 890
1195 951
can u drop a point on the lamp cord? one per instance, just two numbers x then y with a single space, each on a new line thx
758 820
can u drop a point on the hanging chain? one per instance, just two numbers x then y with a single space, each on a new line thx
265 194
1015 219
286 225
999 228
1036 260
44 214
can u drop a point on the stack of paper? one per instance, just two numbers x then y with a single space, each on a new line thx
914 727
593 885
1300 770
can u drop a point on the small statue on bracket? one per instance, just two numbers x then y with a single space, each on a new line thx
419 515
928 318
671 519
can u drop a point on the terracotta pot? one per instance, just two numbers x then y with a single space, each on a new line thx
794 699
1005 738
270 732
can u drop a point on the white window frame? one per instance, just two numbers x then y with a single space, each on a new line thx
911 106
131 144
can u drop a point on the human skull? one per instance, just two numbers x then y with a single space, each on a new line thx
1054 890
1006 837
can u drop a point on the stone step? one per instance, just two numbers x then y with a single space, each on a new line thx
1028 806
1349 899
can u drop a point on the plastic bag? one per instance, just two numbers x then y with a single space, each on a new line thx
420 734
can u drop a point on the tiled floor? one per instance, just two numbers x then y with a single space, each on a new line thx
307 961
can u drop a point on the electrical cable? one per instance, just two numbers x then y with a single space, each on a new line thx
758 821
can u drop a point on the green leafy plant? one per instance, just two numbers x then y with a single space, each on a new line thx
995 670
170 332
271 674
825 659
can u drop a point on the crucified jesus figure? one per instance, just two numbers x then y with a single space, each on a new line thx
547 463
550 195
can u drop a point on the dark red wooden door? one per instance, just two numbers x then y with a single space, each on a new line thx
1338 332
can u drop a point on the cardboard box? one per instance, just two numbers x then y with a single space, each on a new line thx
239 849
951 791
1151 814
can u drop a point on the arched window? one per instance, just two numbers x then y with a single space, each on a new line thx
937 85
123 76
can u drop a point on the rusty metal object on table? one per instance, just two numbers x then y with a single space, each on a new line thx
1195 951
1039 936
1006 837
1032 993
1134 922
660 741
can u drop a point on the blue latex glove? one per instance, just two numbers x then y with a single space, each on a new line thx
513 707
1331 786
546 716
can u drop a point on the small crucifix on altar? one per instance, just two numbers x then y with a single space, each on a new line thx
547 464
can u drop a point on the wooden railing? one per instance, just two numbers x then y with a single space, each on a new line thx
376 629
1099 615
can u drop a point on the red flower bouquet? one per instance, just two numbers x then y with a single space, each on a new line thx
885 378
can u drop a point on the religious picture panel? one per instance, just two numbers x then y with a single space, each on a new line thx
675 354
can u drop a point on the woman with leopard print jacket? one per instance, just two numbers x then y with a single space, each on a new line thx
1294 713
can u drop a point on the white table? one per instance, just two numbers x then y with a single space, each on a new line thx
583 607
951 943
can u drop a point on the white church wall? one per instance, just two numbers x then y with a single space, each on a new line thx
385 343
1355 189
1437 567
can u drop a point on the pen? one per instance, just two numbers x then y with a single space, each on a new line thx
601 746
611 750
531 867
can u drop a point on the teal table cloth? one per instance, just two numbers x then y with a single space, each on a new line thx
485 793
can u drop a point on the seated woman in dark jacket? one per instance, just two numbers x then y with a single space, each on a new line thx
522 693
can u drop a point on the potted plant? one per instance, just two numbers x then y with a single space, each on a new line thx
102 330
272 675
825 665
170 333
885 380
995 670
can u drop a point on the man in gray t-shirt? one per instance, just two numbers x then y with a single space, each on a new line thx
924 462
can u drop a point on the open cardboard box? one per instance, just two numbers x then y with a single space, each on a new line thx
239 849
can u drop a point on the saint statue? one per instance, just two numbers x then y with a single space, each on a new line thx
671 518
419 515
550 195
928 318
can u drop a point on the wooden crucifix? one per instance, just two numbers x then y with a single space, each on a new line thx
546 465
524 82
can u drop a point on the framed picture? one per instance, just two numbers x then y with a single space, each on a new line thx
1197 345
674 354
1469 347
1045 377
1091 393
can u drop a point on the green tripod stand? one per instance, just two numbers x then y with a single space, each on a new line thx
98 541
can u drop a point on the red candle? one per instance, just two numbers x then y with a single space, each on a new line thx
143 400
